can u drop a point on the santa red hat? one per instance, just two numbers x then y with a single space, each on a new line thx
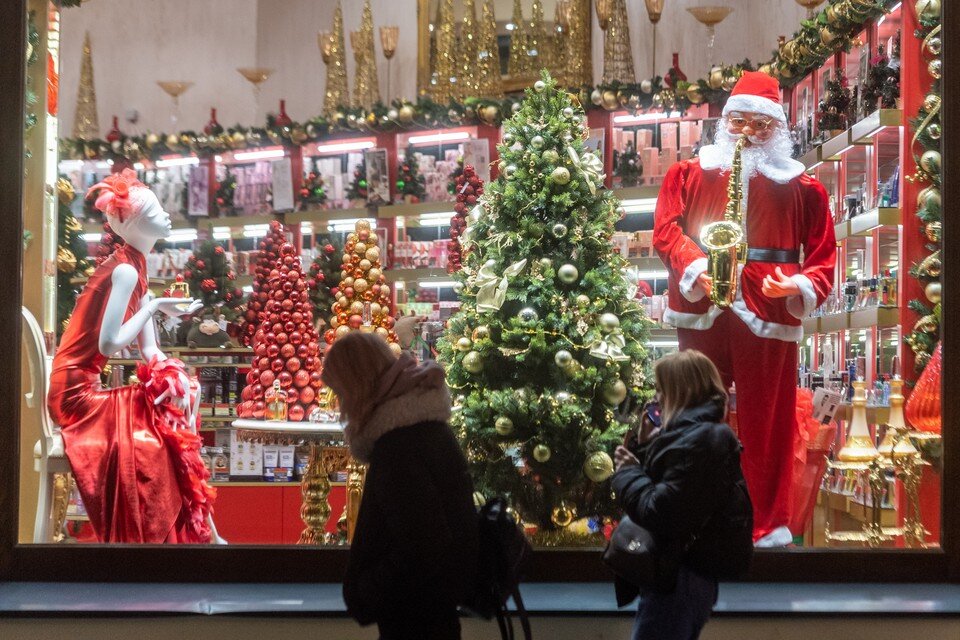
756 92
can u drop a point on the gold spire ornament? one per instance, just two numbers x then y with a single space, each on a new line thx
537 50
334 55
86 125
366 88
518 63
558 42
489 82
446 59
579 59
617 54
467 60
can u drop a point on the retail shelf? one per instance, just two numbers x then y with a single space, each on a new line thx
650 263
308 428
215 419
416 275
835 147
811 325
880 317
875 415
862 132
874 219
834 322
326 215
636 193
811 158
418 209
262 483
855 509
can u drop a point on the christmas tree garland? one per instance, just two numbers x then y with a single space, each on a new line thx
925 335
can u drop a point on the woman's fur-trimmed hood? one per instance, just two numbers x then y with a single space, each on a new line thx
420 405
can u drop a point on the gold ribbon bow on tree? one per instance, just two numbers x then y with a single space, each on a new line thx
610 346
590 166
492 287
631 276
466 236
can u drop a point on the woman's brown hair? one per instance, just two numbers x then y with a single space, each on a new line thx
353 367
687 379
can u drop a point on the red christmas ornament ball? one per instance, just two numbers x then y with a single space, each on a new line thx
301 378
295 413
267 378
285 379
288 350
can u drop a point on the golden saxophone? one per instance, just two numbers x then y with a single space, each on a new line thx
725 240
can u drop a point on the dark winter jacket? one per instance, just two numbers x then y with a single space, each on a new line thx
689 486
414 551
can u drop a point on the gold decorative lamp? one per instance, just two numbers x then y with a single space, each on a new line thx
859 446
809 5
175 89
389 37
896 444
654 11
710 16
255 76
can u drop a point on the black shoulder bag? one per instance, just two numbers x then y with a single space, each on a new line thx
634 555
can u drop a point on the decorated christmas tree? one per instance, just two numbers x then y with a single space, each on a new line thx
882 85
285 345
363 296
323 278
410 186
224 194
358 187
269 252
313 193
628 167
72 262
212 280
469 187
834 108
548 341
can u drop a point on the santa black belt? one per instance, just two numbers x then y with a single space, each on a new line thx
780 256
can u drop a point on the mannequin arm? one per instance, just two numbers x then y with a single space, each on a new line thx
115 334
148 336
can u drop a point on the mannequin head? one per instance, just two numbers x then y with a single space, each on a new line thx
134 212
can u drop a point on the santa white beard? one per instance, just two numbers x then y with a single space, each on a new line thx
774 152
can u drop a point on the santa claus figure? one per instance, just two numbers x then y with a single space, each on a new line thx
788 272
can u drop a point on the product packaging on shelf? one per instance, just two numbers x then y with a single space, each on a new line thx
245 457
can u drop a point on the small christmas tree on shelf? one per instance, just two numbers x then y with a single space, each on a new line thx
835 107
469 188
358 187
224 194
628 167
72 262
410 186
363 296
212 280
269 253
285 345
323 279
882 85
313 193
547 343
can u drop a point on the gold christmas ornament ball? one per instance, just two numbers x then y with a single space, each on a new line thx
598 466
583 301
406 114
152 140
646 86
552 156
503 426
563 358
509 171
568 112
657 100
931 102
934 46
928 197
362 225
473 362
615 393
563 516
728 82
596 97
356 307
934 131
927 8
934 292
374 274
372 254
568 274
715 79
395 348
528 315
694 95
172 140
560 175
481 333
360 285
539 86
542 453
609 322
360 248
935 68
545 263
464 344
930 161
375 309
365 264
341 331
610 101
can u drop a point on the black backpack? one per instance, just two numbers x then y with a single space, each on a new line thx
504 551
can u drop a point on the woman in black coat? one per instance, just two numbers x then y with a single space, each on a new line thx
684 484
414 552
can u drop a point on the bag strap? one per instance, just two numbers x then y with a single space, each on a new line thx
522 614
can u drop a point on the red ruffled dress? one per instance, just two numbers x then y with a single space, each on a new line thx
141 480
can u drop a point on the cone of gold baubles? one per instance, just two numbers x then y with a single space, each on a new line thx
598 466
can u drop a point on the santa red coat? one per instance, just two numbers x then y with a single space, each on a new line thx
787 211
752 343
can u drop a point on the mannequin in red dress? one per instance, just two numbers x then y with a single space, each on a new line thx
133 450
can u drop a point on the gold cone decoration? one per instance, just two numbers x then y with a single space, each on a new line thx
617 55
859 446
578 60
366 88
518 64
446 59
489 82
86 125
337 92
538 56
467 60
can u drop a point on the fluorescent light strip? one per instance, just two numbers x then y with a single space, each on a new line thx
639 205
645 117
306 227
182 235
439 284
439 137
221 233
663 343
255 230
259 155
248 288
91 237
138 166
435 219
71 165
105 165
345 146
653 274
177 162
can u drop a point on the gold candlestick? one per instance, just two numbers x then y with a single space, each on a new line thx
175 89
654 11
255 76
710 17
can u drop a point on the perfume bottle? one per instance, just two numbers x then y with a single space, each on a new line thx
367 318
276 401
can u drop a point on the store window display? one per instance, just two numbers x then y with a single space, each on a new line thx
789 272
133 450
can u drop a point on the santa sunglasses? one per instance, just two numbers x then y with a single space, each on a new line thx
738 121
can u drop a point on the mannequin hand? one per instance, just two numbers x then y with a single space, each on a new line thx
182 402
624 458
169 306
779 286
706 283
